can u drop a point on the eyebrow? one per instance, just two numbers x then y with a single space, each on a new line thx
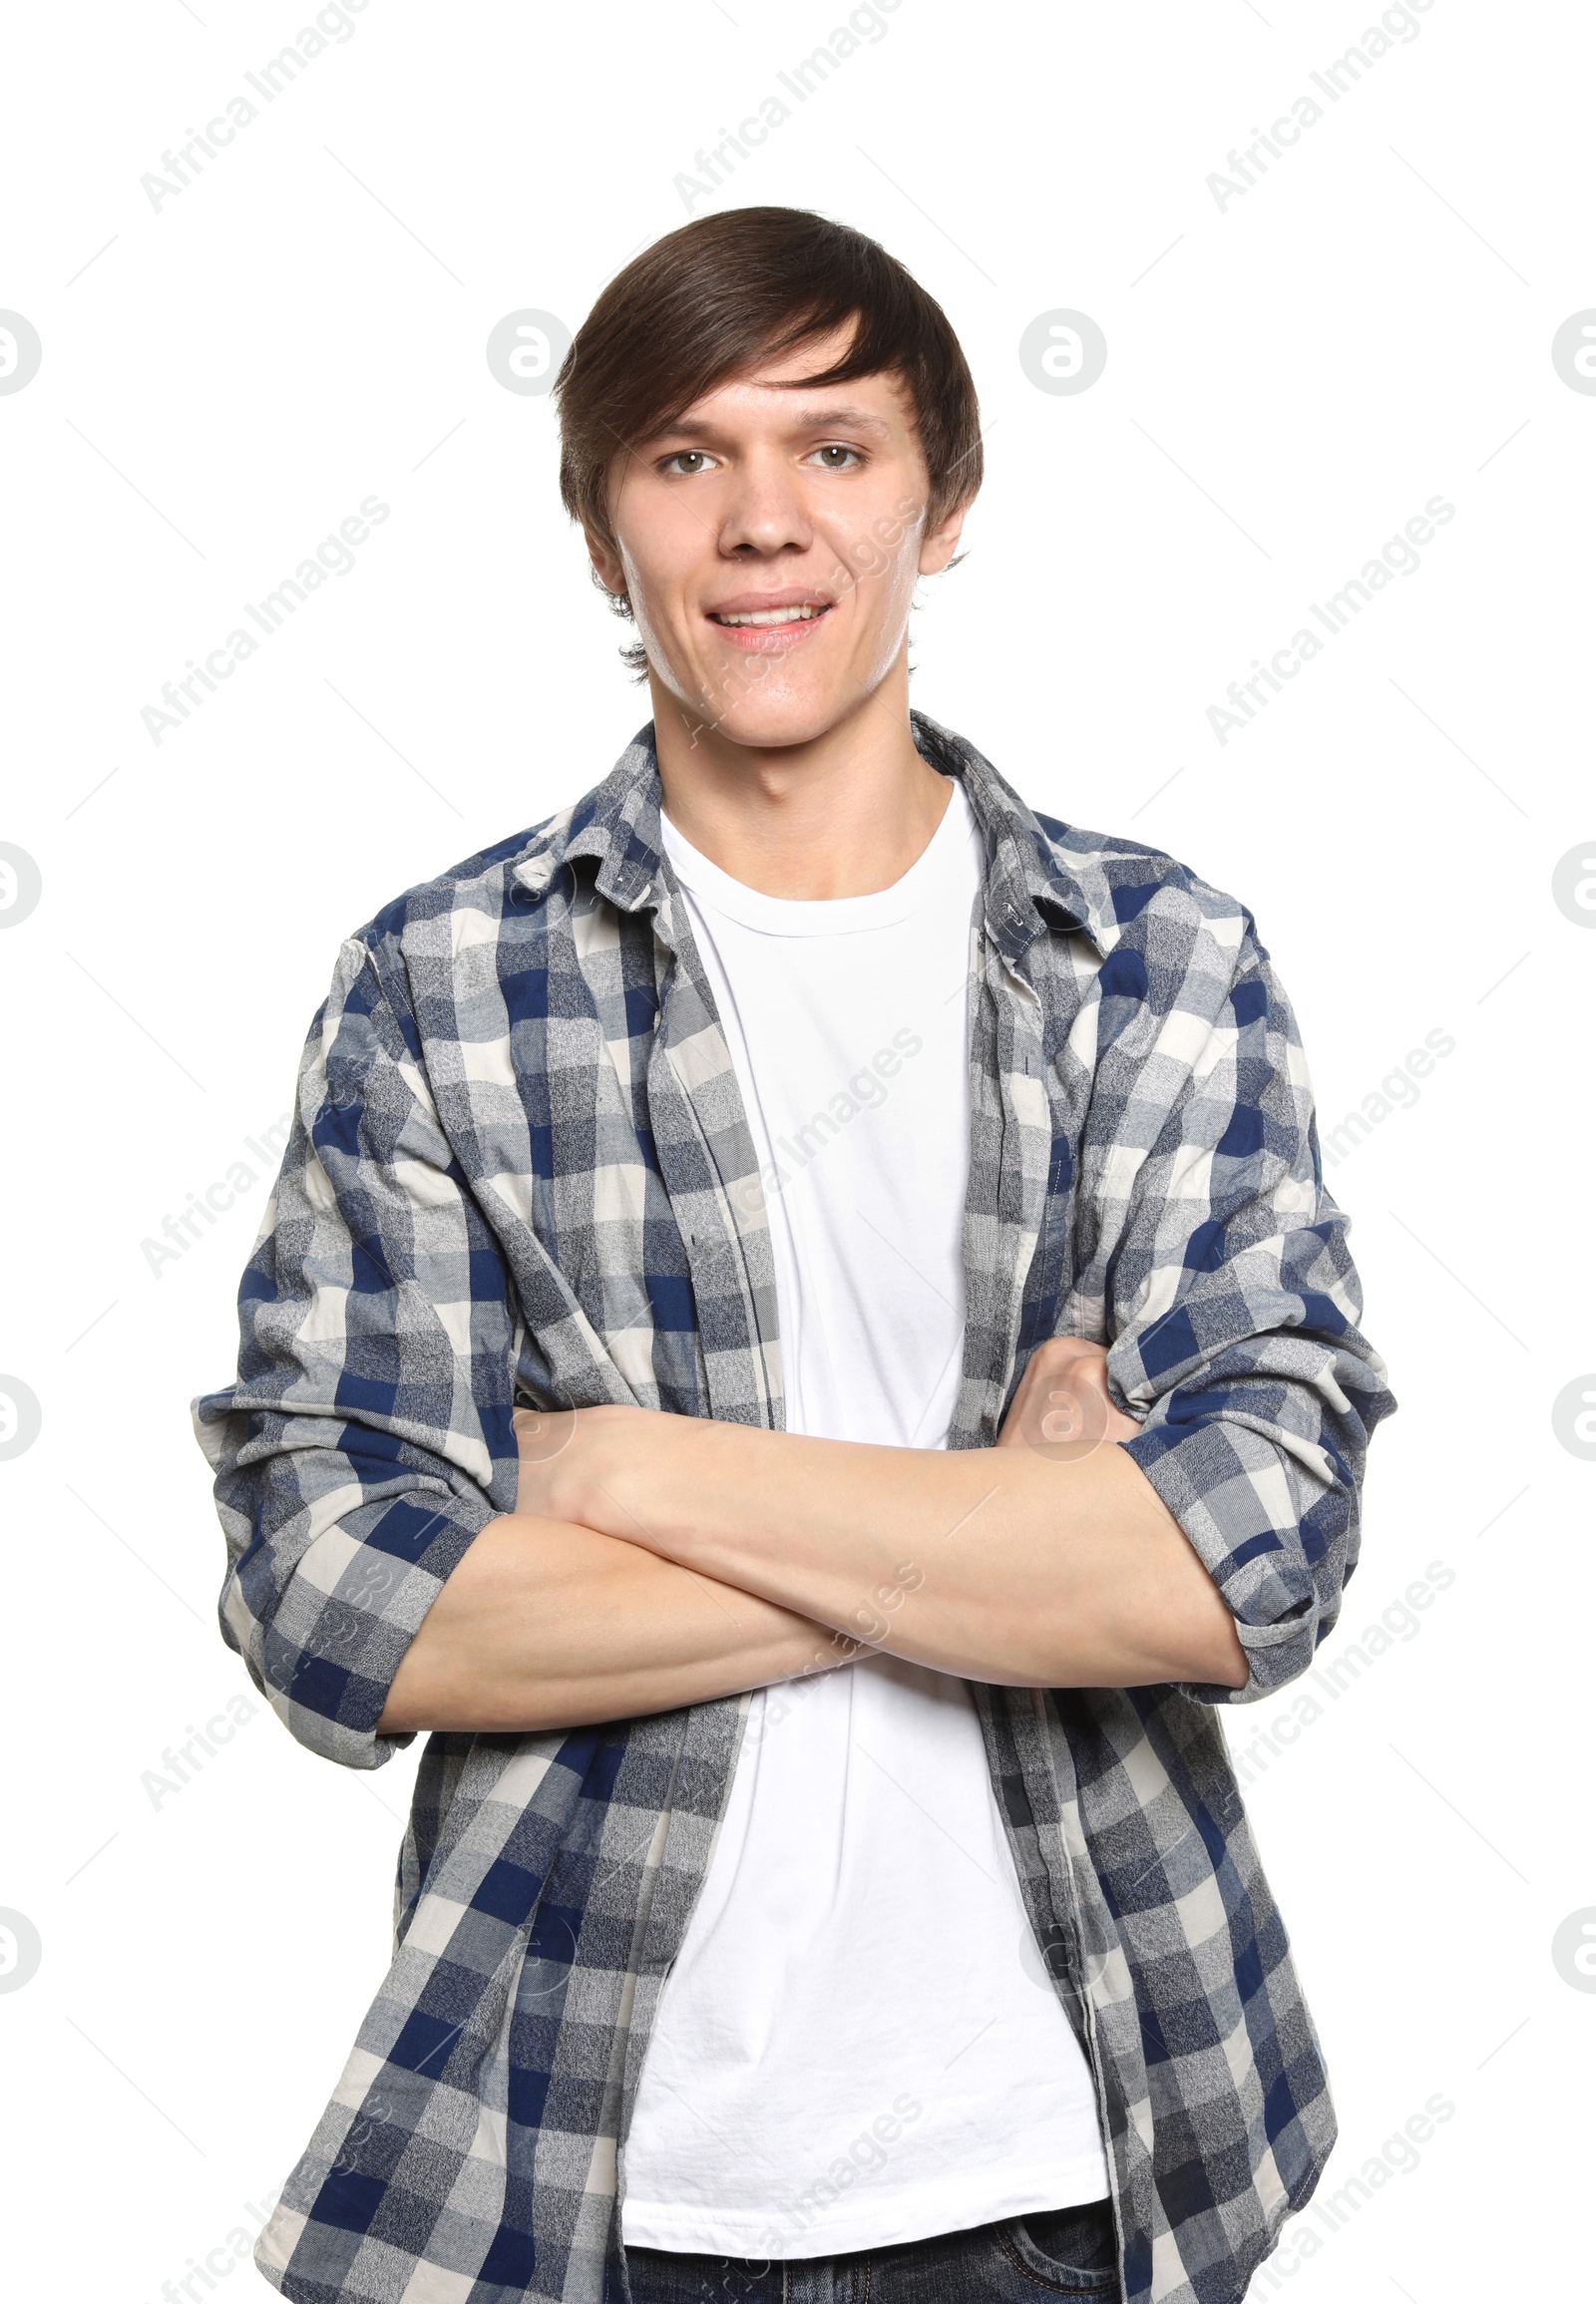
806 420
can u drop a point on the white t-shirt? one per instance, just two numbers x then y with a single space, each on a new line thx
858 2044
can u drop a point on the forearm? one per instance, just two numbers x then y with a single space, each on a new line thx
547 1625
997 1563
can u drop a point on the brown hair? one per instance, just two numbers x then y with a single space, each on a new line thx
724 292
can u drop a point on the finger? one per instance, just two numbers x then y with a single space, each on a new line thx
543 1431
1064 1350
1068 1413
1092 1374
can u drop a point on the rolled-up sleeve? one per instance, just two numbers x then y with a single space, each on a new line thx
1225 1290
367 1438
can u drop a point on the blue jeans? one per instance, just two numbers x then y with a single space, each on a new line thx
1021 2260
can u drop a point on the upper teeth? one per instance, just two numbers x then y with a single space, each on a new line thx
767 617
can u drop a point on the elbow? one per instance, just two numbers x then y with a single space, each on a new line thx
395 1719
1200 1625
1211 1650
1224 1660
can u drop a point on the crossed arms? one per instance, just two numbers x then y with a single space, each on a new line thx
659 1560
387 1572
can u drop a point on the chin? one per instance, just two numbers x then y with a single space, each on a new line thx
783 721
769 714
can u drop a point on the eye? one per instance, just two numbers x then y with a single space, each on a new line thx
834 449
687 462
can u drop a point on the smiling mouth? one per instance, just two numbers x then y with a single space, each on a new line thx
756 617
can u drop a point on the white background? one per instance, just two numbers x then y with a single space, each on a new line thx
1290 378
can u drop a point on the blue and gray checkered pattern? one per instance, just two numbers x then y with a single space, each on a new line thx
520 1171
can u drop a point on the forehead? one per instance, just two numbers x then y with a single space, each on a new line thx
770 393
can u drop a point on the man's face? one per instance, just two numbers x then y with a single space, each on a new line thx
804 507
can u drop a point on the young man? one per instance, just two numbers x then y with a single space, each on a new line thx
801 1335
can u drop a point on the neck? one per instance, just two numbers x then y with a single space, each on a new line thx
844 813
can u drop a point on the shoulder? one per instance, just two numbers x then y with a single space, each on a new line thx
484 884
403 975
1129 898
1141 899
500 888
1184 972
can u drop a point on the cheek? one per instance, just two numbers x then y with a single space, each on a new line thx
650 590
636 581
667 645
883 588
659 546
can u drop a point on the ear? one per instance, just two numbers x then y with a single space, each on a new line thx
607 562
939 543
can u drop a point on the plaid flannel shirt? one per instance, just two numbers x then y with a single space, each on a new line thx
520 1172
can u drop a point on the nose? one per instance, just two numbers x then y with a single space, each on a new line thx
764 510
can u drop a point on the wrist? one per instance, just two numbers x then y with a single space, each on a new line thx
593 1476
814 1648
621 1475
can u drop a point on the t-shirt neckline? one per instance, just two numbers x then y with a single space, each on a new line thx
925 882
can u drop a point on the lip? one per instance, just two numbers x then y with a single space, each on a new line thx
769 639
750 604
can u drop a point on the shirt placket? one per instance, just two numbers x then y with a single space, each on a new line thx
708 1161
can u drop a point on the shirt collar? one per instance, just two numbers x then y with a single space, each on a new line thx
1030 883
617 825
